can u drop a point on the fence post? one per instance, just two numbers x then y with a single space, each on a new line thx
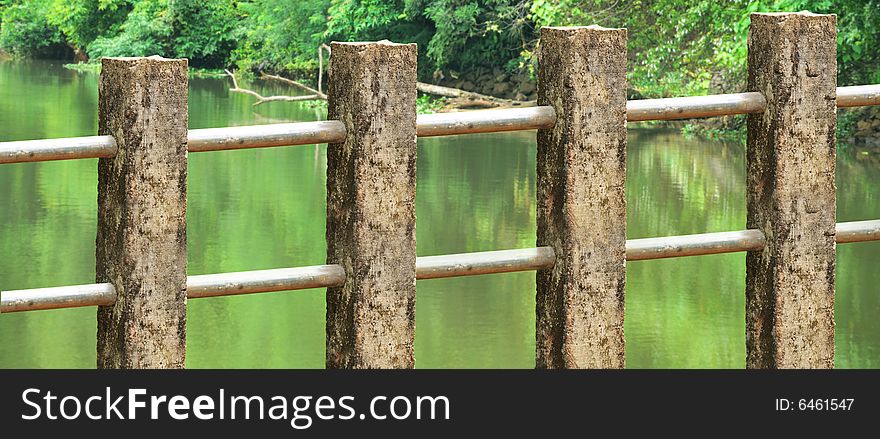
581 200
141 240
791 191
371 218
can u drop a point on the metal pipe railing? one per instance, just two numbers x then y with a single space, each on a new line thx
858 231
471 264
693 107
694 245
427 267
858 96
264 281
485 121
428 125
74 296
66 148
262 136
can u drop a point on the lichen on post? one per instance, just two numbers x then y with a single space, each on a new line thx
791 191
581 200
371 218
141 239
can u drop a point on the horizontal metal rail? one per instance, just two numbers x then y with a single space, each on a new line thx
858 231
74 296
694 245
262 136
427 267
485 121
66 148
693 107
470 264
198 140
858 96
264 281
428 125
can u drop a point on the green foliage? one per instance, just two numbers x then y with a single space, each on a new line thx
145 32
456 34
472 33
201 30
686 47
25 30
281 35
858 35
365 20
362 17
82 21
426 104
204 30
676 47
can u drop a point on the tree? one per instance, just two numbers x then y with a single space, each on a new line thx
82 21
201 30
24 29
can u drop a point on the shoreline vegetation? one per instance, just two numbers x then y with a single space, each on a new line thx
474 53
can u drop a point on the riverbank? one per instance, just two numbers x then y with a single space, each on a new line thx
493 82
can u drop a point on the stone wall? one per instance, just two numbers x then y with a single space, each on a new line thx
493 82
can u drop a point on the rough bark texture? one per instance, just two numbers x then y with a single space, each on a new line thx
371 217
581 202
141 241
791 191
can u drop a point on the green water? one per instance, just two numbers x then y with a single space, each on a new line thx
260 209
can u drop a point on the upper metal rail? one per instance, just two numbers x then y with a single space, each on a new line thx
66 148
694 245
858 231
485 121
693 107
471 264
858 96
262 136
427 267
264 281
74 296
428 125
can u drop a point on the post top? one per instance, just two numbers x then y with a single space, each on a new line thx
592 27
139 58
784 15
369 43
154 61
566 33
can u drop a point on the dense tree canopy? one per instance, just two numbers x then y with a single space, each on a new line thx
676 46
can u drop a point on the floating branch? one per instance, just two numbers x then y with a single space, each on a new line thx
317 93
462 99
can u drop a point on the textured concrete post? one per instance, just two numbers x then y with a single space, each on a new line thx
141 244
371 216
791 191
581 201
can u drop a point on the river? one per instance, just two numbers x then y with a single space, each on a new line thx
265 208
